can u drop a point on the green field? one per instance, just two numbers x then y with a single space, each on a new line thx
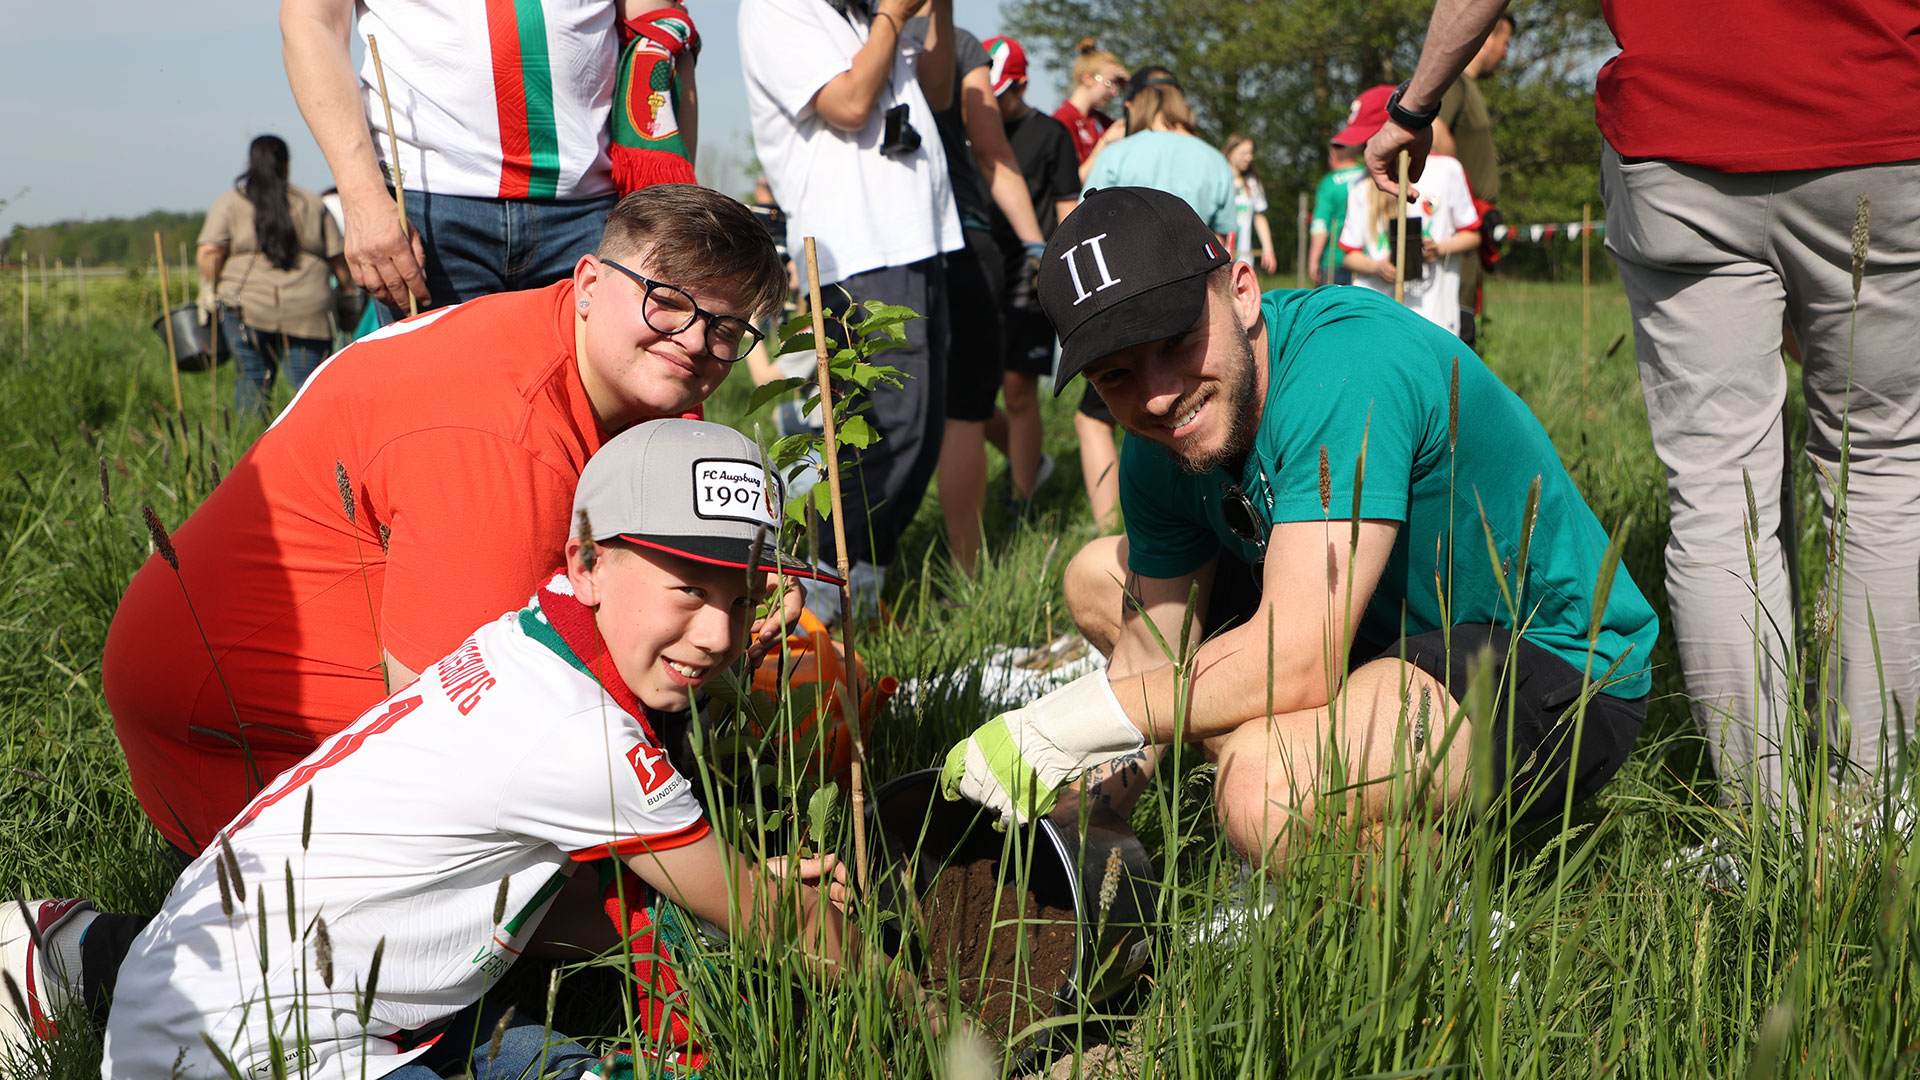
1373 963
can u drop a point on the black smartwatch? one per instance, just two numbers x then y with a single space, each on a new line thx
1411 121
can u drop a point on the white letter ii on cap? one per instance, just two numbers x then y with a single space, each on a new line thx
1107 280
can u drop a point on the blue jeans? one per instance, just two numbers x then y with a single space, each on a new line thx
259 353
528 1051
477 246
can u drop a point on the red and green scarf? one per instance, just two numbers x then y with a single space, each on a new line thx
653 926
645 145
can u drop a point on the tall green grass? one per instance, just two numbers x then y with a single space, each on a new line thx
1373 963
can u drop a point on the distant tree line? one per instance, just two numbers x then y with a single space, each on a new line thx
123 241
1285 72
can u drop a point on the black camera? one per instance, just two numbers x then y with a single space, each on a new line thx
899 139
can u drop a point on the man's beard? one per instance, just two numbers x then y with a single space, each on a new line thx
1243 414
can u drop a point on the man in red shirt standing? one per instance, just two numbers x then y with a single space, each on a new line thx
1735 199
1732 197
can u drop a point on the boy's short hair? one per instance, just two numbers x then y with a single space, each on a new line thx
1343 151
689 233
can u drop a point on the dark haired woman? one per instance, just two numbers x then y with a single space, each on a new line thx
264 251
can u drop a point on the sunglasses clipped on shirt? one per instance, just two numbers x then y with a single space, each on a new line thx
669 310
1243 521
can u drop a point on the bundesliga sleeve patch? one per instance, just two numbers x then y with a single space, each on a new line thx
659 781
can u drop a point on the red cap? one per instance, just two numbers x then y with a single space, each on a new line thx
1009 62
1368 115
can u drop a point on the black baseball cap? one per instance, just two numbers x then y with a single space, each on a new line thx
1151 75
1128 266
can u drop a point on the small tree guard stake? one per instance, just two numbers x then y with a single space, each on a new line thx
1303 222
166 319
850 703
393 143
1400 248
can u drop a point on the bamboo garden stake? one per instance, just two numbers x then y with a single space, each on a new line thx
1586 279
166 320
1304 223
393 143
1400 246
850 703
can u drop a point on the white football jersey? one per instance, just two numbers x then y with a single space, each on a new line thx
503 762
497 100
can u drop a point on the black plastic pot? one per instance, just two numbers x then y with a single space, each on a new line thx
193 341
921 831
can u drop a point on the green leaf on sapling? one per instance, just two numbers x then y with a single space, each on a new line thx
856 432
773 391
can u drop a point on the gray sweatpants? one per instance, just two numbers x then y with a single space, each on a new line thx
1713 263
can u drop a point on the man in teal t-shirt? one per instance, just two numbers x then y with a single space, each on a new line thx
1365 510
1330 213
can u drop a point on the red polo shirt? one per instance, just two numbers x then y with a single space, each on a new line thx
1763 85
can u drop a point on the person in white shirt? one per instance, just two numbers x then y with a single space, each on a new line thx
429 838
842 104
1448 226
501 125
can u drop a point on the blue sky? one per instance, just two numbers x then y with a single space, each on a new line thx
143 106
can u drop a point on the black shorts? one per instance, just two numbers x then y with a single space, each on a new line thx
1029 342
1535 753
1535 756
976 295
1092 404
1029 333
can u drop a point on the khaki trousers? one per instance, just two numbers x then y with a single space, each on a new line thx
1713 263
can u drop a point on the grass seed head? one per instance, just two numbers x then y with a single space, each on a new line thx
1110 881
226 888
233 865
500 900
293 922
1326 482
306 821
13 993
1861 211
106 492
323 951
346 488
373 981
587 551
386 537
162 543
1453 406
499 1034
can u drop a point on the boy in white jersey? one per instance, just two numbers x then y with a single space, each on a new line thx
443 821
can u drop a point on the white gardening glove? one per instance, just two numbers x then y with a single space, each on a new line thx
1016 762
206 301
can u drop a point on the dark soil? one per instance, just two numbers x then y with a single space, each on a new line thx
1027 963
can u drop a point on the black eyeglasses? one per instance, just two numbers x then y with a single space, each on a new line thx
669 310
1246 524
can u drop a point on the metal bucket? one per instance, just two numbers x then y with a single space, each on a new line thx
193 340
922 831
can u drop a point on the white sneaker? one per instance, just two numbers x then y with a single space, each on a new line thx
1251 896
1498 927
37 985
1712 863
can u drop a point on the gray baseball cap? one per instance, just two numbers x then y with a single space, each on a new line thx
690 488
